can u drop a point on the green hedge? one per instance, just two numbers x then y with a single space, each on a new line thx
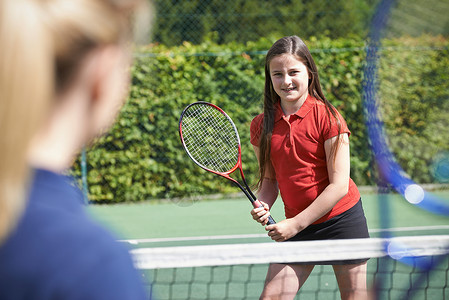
142 157
415 103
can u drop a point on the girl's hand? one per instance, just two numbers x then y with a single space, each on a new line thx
283 230
261 214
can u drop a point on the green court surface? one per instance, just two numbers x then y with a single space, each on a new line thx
188 218
184 223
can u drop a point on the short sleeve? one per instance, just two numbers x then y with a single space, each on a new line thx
256 129
330 125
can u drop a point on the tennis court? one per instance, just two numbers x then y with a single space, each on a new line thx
193 218
227 221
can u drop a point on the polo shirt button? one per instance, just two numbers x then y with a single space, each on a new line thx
288 135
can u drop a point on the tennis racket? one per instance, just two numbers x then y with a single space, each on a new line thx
211 140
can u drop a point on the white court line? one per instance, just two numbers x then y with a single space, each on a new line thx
413 228
262 235
197 238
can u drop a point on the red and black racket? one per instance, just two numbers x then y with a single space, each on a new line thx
212 141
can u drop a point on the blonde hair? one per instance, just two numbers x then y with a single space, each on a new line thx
43 42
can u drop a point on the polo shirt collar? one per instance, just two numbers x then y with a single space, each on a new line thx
302 111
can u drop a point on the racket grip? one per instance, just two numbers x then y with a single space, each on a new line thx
257 204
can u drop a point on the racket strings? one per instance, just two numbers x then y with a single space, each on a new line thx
210 138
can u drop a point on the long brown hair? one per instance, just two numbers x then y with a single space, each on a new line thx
295 46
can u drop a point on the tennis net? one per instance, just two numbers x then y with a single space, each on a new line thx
414 267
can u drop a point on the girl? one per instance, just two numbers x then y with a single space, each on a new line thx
301 142
63 75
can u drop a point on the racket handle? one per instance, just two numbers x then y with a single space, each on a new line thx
270 221
257 204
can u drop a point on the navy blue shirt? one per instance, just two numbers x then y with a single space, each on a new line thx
58 252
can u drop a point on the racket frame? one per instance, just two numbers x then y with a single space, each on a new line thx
246 190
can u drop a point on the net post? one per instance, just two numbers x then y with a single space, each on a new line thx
84 176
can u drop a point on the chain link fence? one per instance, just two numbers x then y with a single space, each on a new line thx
195 21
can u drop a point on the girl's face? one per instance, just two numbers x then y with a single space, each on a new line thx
290 78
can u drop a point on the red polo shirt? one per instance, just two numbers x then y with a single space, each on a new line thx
299 158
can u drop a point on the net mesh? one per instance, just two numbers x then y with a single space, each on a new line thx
210 137
238 271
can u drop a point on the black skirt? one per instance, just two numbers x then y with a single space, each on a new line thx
350 224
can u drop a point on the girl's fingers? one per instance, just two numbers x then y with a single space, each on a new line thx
260 214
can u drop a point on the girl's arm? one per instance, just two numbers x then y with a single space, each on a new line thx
338 172
267 194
